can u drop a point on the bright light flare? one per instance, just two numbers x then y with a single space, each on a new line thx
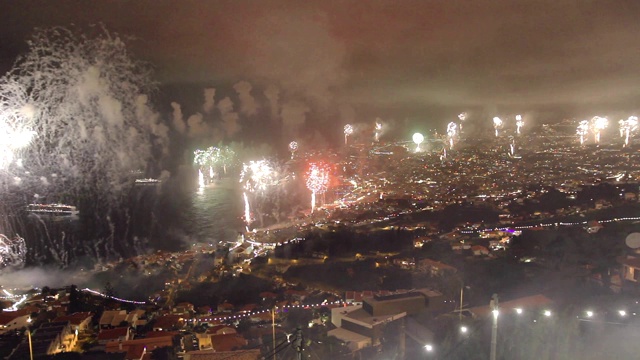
418 139
13 137
497 124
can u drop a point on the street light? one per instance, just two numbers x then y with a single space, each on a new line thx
428 347
518 311
493 304
547 313
622 313
589 313
464 329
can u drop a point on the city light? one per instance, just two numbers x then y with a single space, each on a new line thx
547 313
428 347
622 313
589 313
464 329
519 311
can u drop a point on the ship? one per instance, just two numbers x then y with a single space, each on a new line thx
148 181
53 209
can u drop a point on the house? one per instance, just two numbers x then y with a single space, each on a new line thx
117 334
227 342
49 339
183 308
362 325
435 268
117 318
225 307
138 348
168 322
479 250
12 320
79 321
224 355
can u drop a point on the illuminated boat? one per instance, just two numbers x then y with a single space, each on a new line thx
53 209
148 181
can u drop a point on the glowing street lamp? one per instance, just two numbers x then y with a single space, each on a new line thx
418 139
428 347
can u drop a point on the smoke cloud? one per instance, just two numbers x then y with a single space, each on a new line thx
178 120
209 100
294 115
229 117
272 93
248 104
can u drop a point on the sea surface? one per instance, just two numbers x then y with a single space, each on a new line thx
171 216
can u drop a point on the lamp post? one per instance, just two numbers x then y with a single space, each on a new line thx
493 304
30 346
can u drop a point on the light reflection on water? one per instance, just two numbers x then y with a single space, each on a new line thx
215 213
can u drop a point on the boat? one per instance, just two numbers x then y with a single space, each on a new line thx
147 181
53 209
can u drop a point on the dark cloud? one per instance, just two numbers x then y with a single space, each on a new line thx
375 56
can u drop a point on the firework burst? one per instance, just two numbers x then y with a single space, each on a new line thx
583 130
317 180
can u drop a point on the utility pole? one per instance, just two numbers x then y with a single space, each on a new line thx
403 340
30 346
493 304
298 343
273 330
461 300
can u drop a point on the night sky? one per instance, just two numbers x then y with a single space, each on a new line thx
402 58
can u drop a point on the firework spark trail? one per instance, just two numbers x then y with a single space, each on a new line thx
627 127
348 130
318 177
452 133
519 123
293 147
377 131
598 123
497 124
462 117
583 130
12 251
257 178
